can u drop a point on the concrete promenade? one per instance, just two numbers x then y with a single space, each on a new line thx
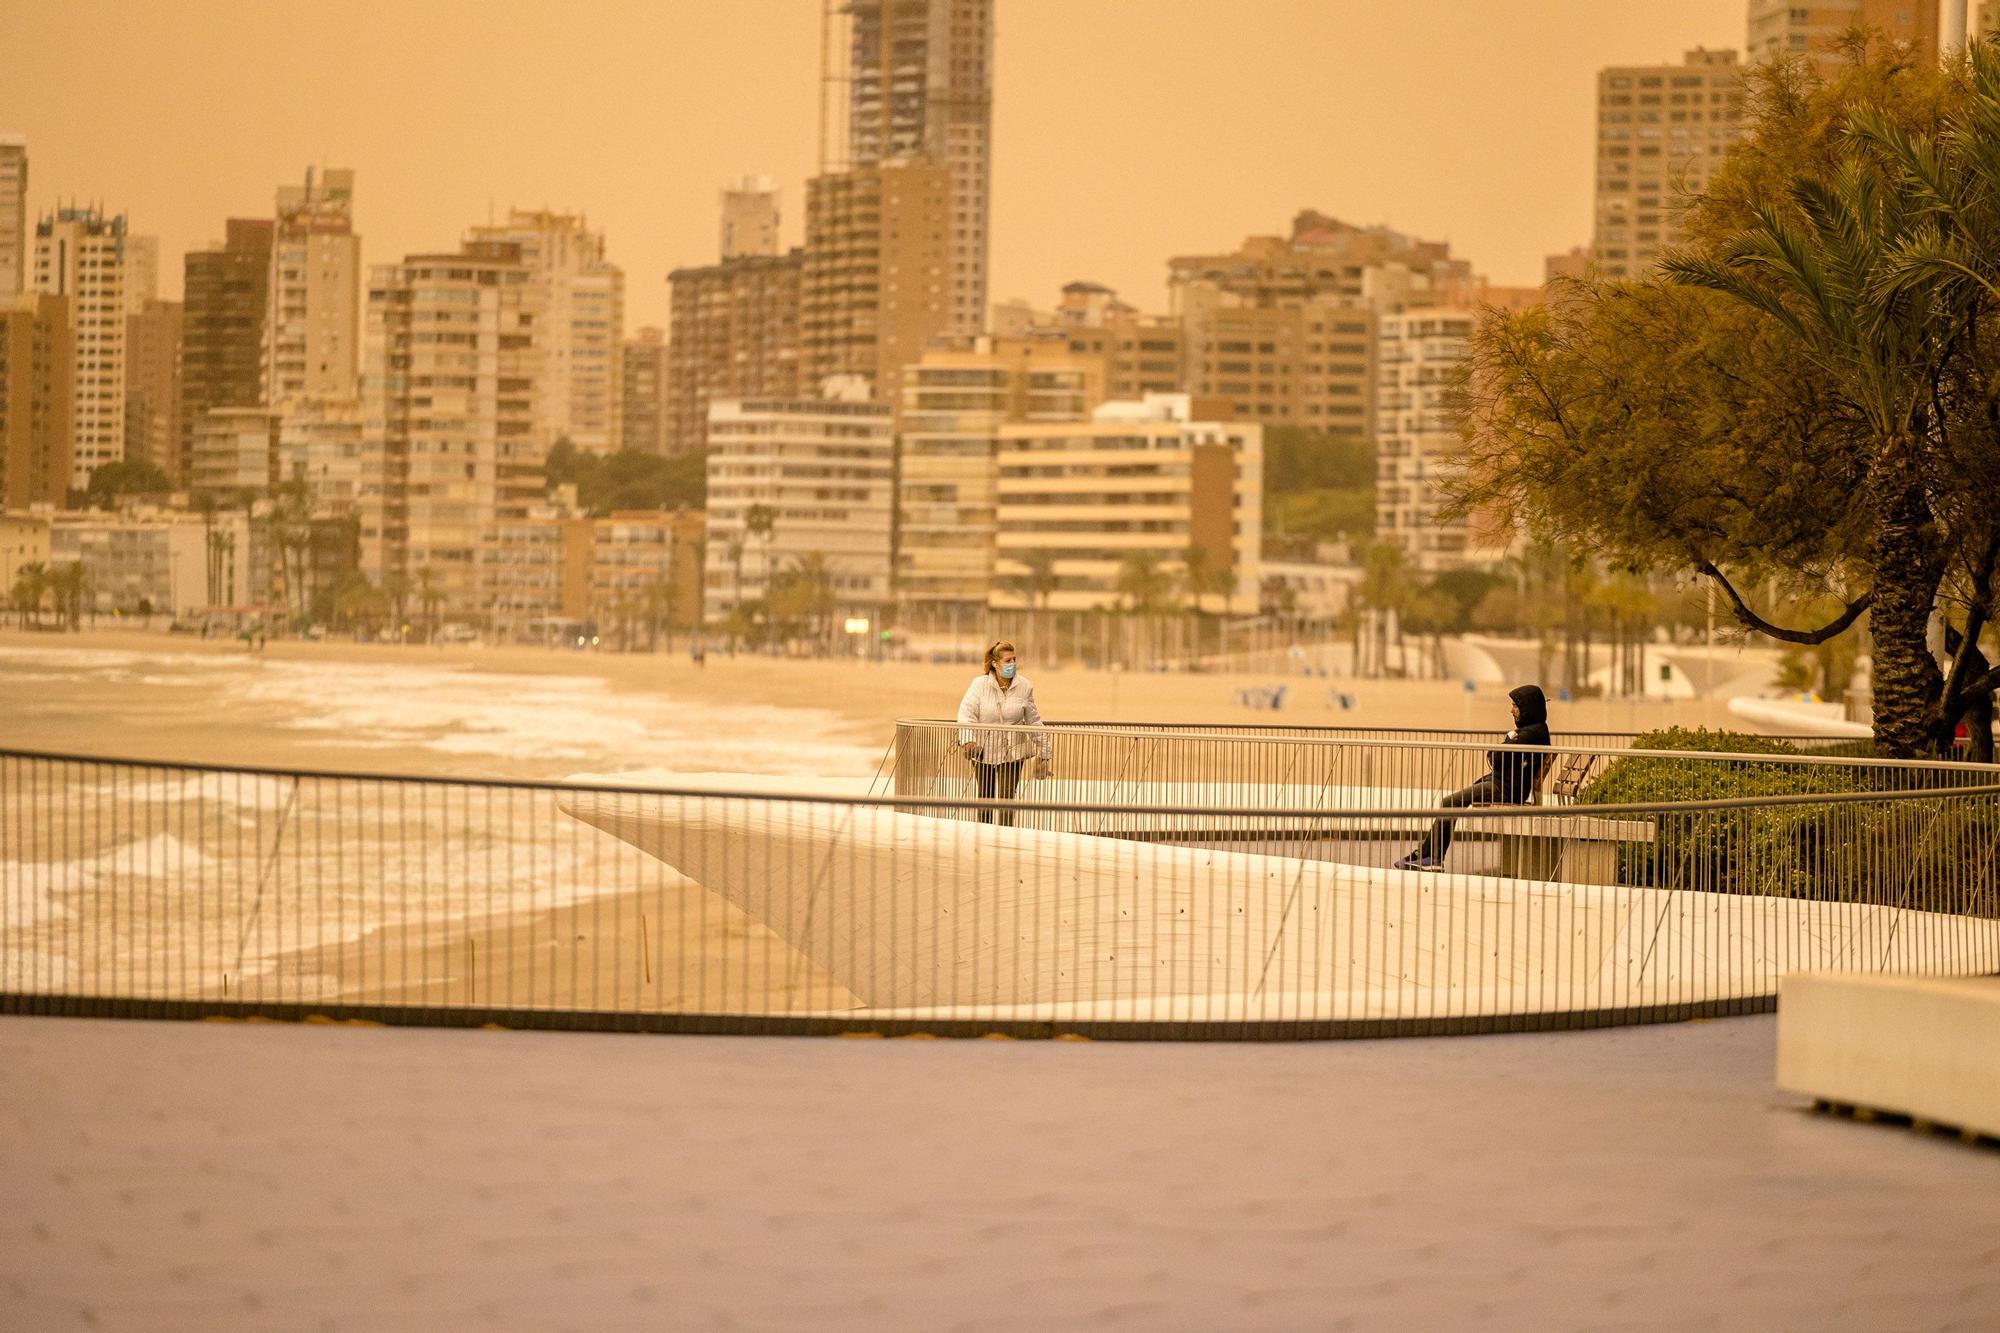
233 1176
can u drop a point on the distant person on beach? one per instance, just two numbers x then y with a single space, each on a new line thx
1001 696
696 652
1510 780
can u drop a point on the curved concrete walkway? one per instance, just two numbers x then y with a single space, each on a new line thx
223 1176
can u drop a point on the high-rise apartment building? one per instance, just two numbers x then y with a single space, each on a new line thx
1814 28
153 385
912 80
1661 131
583 323
1421 353
142 272
14 255
750 218
1281 330
1139 478
823 468
37 369
735 335
80 253
644 408
955 401
235 453
640 570
453 444
319 444
1140 353
875 285
313 338
224 310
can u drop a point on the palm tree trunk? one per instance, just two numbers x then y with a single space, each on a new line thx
1908 568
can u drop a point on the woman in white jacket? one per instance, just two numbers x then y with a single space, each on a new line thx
1000 697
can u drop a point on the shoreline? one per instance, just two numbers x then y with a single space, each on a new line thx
857 703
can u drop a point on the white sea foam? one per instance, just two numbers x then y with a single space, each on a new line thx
458 711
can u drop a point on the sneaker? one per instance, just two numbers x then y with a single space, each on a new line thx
1416 862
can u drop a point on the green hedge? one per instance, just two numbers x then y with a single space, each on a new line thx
1935 854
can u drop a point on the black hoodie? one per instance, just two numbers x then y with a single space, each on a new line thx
1516 774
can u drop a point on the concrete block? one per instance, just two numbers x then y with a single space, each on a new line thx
1924 1047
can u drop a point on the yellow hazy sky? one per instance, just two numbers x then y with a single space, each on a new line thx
1124 131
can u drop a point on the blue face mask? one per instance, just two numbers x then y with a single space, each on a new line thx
1006 671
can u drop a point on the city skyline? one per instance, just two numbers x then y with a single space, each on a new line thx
1190 171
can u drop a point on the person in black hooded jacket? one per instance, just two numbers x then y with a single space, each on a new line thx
1510 779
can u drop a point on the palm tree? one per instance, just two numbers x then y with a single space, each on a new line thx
292 534
660 598
396 591
358 603
70 583
204 504
31 584
1038 581
1141 581
734 552
429 596
1828 264
1385 589
761 522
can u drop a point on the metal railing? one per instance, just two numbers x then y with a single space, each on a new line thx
1250 772
187 890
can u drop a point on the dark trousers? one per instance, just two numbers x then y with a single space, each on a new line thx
997 782
1483 792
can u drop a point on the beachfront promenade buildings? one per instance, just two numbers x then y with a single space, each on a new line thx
1280 329
800 491
36 373
153 384
225 306
735 334
873 289
313 334
955 402
80 254
643 392
629 577
580 324
1119 506
1814 28
234 456
453 443
152 561
1422 352
911 81
750 218
1662 130
15 259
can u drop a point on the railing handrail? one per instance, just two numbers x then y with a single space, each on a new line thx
1482 747
895 802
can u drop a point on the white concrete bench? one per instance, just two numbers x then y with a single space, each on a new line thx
1923 1047
1575 849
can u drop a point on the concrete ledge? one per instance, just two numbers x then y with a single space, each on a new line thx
1924 1047
1572 828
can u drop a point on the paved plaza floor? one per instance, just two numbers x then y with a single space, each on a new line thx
158 1176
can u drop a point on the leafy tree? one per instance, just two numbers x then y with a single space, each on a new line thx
628 479
1318 485
1814 393
124 476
